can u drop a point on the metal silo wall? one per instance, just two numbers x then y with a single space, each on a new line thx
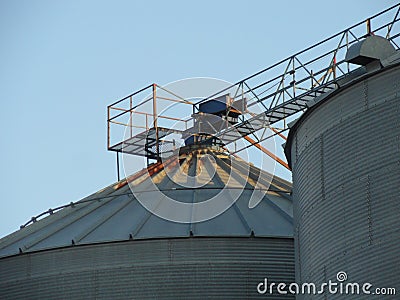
346 186
187 268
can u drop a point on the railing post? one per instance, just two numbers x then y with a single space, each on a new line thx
155 119
334 67
294 77
108 127
312 79
369 26
130 115
347 49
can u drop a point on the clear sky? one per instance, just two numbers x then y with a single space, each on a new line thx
63 62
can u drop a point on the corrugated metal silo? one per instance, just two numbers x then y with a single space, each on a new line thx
107 246
345 157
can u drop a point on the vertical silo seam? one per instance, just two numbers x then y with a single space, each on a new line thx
101 221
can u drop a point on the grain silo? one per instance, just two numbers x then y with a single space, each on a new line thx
345 158
340 98
107 246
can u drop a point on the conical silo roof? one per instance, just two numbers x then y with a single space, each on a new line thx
115 214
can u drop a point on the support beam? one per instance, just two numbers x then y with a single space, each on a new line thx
266 151
118 176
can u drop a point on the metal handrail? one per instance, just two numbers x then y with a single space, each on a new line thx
307 73
348 30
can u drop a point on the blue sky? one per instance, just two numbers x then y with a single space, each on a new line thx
63 62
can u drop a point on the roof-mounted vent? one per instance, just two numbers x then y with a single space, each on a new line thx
372 49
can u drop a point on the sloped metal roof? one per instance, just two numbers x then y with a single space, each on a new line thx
114 213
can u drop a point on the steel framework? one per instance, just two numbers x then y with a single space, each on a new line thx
275 95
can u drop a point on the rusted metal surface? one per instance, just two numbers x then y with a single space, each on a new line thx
266 151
